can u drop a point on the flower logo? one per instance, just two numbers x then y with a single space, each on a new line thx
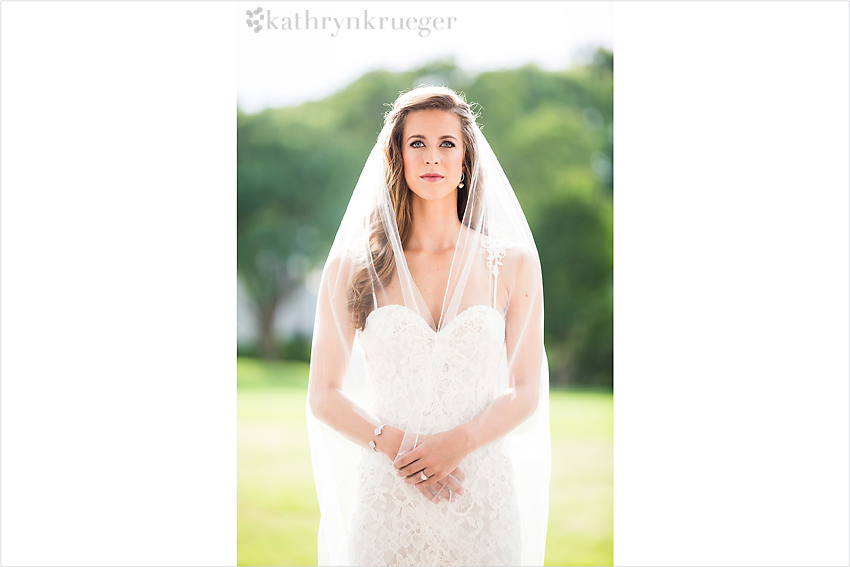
252 22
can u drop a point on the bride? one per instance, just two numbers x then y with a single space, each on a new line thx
428 409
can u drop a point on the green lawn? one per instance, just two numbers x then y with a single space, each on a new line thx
277 510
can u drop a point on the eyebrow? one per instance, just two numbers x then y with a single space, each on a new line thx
423 137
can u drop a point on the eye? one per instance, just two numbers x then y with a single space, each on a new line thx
451 144
413 144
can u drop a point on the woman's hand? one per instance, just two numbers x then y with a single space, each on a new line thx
389 443
447 489
438 456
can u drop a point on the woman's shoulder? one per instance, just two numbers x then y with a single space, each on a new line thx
340 266
507 259
521 259
508 252
338 261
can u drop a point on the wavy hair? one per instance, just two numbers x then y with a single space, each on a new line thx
361 299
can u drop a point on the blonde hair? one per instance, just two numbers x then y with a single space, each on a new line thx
423 97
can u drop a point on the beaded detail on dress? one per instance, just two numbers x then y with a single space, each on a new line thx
496 251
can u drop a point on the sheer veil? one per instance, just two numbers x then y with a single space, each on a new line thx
495 268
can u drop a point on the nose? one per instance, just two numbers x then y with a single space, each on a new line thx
432 159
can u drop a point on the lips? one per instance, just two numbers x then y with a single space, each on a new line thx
431 177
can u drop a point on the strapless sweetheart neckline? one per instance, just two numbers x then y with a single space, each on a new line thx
424 322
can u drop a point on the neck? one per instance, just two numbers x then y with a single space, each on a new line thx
435 224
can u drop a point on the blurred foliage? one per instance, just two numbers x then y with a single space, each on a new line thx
294 349
552 132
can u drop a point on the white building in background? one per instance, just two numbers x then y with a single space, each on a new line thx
294 316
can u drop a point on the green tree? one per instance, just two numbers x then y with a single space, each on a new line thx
290 180
553 133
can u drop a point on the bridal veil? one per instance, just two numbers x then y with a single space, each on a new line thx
495 259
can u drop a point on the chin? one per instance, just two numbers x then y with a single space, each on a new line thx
432 193
432 196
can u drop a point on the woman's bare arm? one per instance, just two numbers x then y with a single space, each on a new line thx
329 360
524 342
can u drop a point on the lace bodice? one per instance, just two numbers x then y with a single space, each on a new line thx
445 378
452 371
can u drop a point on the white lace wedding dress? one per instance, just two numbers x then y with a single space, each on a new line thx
453 372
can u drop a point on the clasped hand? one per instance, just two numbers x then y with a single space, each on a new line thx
438 456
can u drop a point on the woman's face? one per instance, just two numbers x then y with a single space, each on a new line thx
432 149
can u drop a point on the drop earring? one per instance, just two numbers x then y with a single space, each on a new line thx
460 186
